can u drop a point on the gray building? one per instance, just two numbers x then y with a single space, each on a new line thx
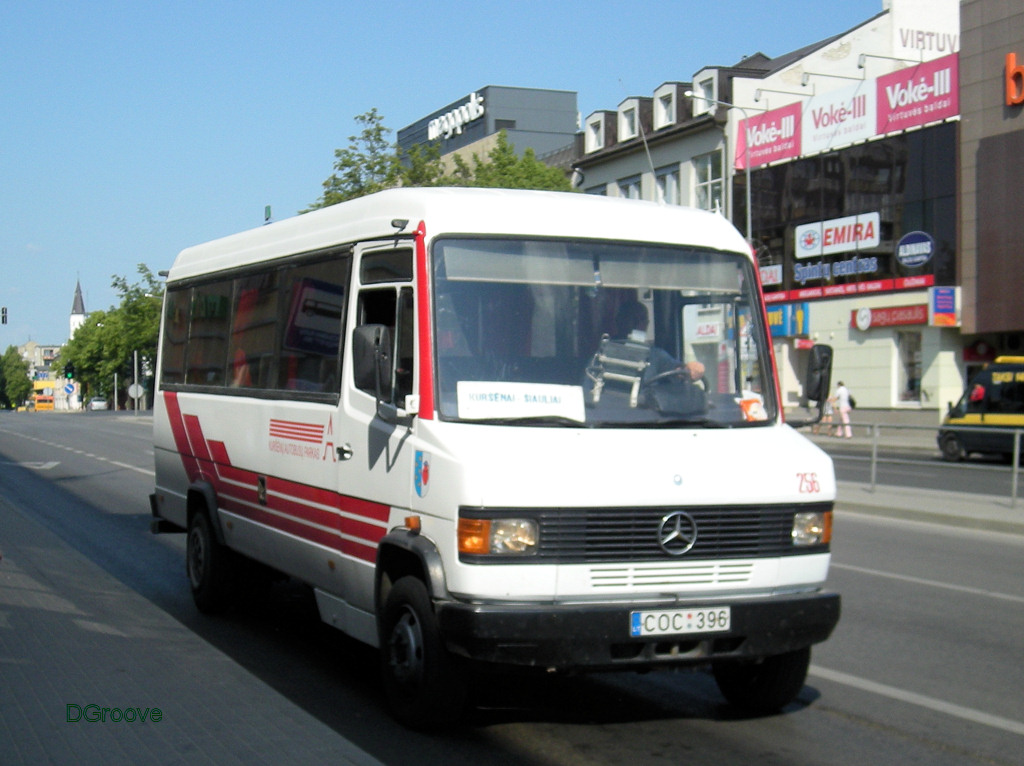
544 120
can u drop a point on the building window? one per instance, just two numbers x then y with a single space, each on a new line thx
627 124
630 187
667 185
664 110
595 134
708 184
504 124
704 94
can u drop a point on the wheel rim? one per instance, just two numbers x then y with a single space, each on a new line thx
951 447
406 648
196 557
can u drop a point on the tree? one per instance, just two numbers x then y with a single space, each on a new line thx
106 343
369 164
504 170
14 383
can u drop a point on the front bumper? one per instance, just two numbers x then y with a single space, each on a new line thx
586 637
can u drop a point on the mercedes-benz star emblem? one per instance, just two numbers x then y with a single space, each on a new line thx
677 533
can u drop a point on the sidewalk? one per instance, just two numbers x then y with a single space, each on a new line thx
915 433
969 510
74 640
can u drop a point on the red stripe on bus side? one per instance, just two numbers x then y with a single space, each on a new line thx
289 498
423 320
178 434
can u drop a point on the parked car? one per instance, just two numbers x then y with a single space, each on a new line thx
98 403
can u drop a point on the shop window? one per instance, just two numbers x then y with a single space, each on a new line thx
909 347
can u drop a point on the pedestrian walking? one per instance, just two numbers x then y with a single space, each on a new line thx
844 405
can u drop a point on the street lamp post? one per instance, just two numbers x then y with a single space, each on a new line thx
746 161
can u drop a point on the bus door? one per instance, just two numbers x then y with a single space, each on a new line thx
376 454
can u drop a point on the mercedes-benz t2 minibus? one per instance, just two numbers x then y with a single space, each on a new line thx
497 430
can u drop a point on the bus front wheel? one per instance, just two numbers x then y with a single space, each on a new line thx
764 686
425 685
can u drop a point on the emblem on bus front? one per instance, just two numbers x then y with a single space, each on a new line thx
677 533
422 468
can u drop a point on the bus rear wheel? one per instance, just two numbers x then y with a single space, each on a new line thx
208 564
764 686
425 685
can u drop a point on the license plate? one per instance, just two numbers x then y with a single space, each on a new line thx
677 622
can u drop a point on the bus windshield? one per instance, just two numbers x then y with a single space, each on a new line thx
571 332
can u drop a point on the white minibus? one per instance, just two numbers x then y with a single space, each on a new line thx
499 430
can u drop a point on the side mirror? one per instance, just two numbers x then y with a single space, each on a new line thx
819 374
371 363
817 383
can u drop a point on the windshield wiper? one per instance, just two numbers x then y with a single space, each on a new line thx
535 420
698 420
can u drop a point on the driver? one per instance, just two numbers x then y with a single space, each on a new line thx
631 323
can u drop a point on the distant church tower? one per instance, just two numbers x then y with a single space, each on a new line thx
77 310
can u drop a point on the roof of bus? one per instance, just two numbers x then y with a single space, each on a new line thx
464 210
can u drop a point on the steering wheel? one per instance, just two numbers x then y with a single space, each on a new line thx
680 372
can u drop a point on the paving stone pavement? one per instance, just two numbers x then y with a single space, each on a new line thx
74 640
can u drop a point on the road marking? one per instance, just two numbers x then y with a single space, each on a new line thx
51 464
931 583
921 700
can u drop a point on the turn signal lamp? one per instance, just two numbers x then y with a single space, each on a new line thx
497 537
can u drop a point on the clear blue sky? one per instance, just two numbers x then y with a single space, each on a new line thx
130 130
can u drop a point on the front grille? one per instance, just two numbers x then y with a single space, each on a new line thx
594 535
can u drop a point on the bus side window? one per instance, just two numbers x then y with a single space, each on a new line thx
313 326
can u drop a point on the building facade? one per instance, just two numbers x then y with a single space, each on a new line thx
844 154
991 167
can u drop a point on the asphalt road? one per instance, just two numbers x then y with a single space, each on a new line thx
925 667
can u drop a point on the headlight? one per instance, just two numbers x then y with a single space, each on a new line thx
812 528
501 537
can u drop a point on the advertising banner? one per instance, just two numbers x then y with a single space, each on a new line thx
905 99
917 95
772 136
839 117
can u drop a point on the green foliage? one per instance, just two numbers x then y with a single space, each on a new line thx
14 383
106 342
504 170
370 164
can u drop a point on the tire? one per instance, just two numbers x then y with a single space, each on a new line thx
764 686
425 685
952 449
208 565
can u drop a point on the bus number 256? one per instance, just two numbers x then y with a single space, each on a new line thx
808 483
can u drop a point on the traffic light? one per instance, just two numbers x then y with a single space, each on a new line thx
69 370
3 314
